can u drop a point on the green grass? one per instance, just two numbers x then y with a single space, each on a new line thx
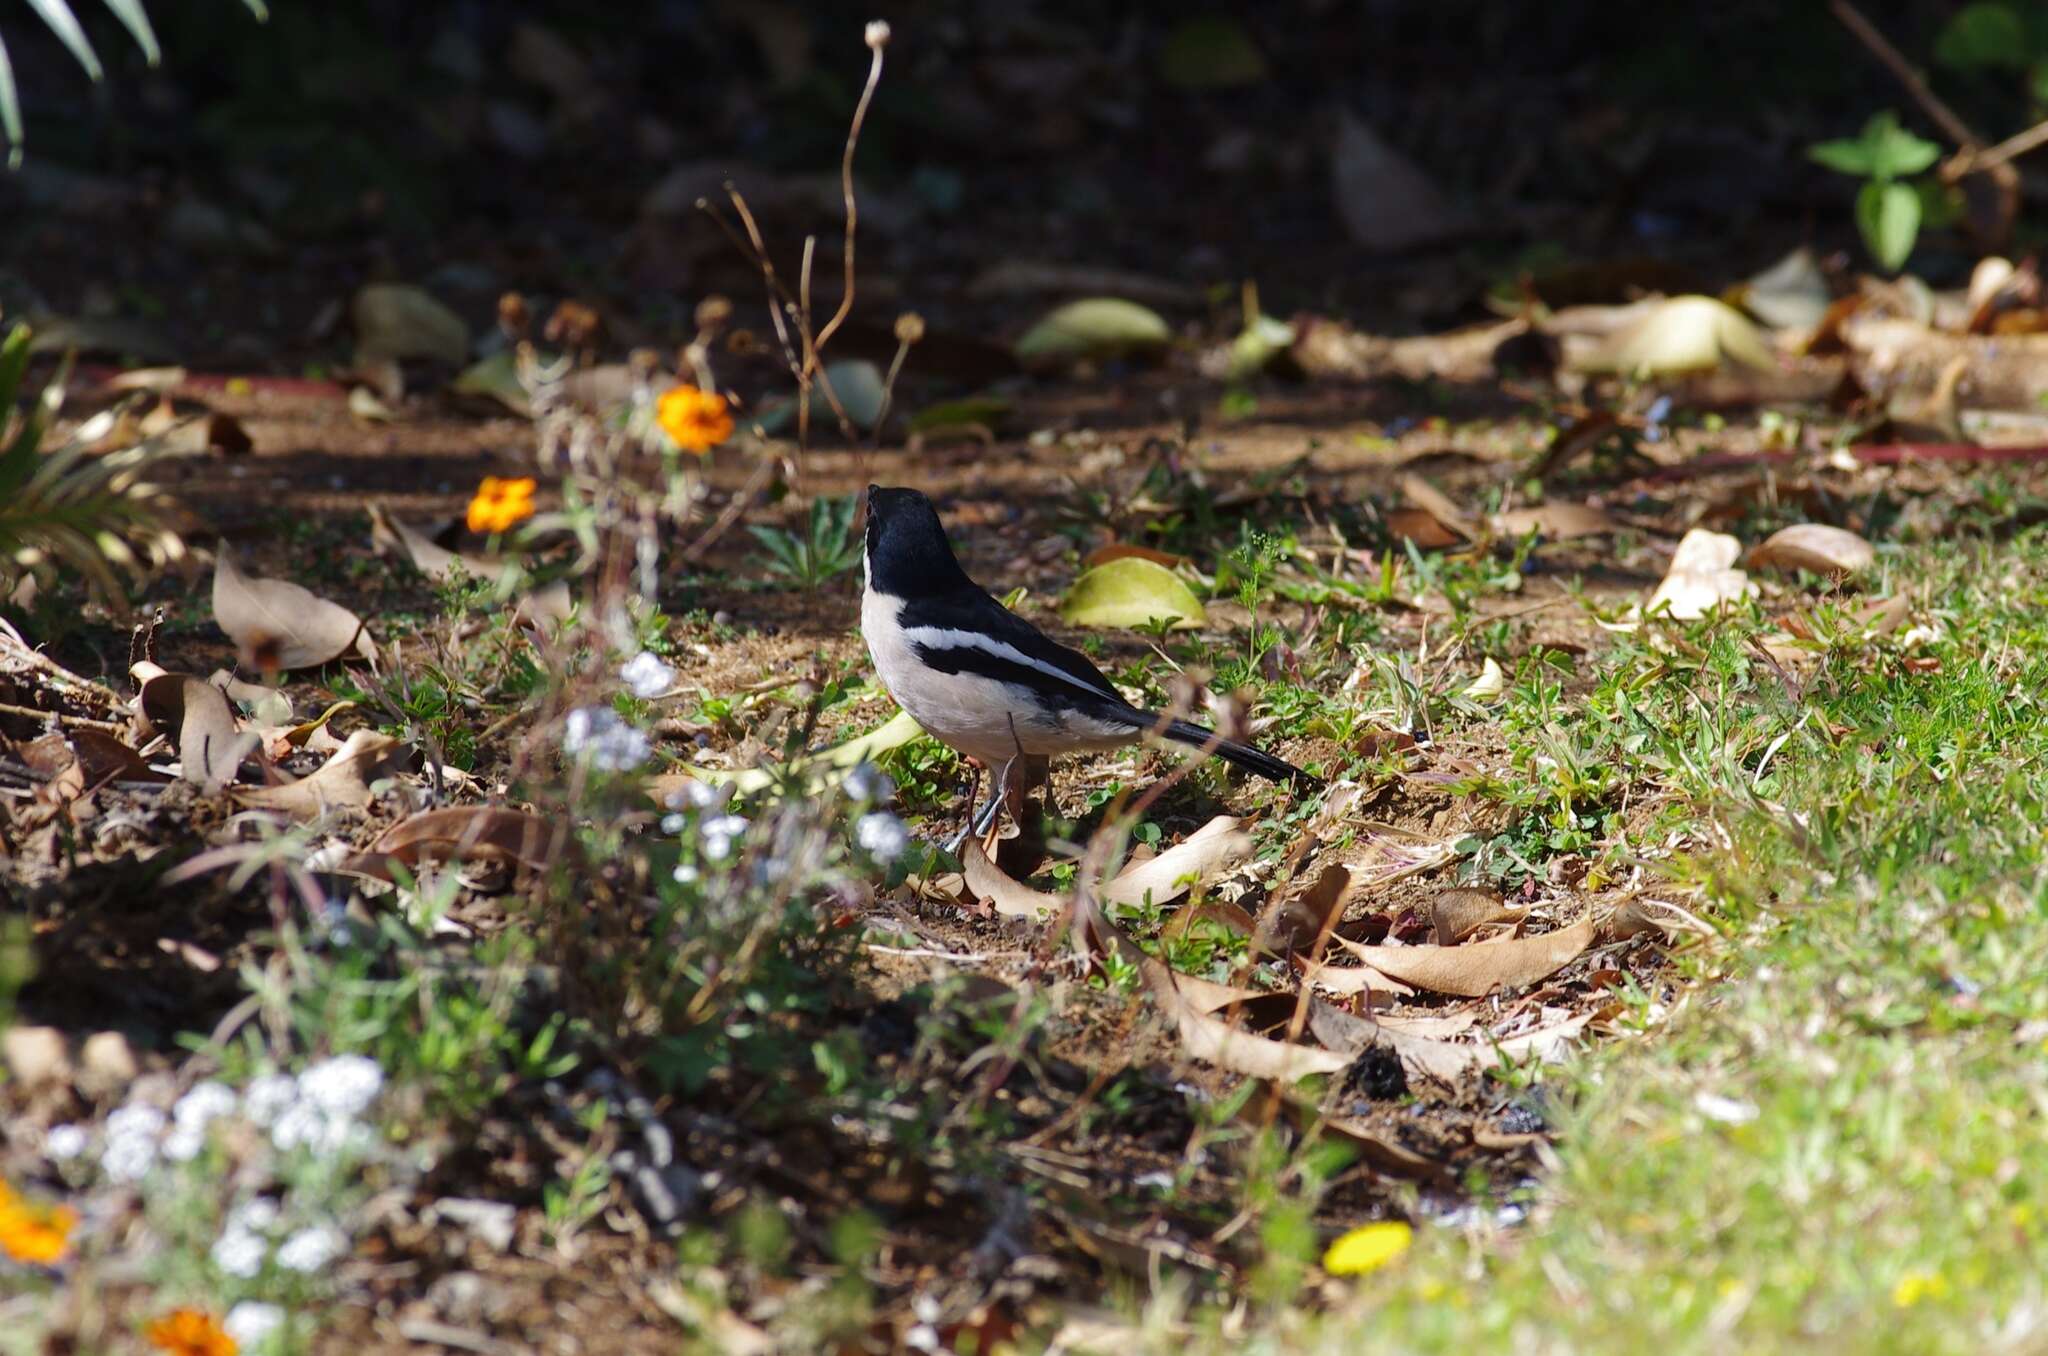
1842 1146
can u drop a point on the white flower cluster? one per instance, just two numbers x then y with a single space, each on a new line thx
646 676
882 835
602 738
320 1109
244 1244
719 833
868 783
251 1321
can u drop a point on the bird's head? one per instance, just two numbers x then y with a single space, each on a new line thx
907 552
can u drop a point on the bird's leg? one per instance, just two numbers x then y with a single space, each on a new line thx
990 823
973 792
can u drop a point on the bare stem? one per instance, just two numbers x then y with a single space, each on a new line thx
860 114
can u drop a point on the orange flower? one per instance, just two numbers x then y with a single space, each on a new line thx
38 1234
697 420
501 503
190 1332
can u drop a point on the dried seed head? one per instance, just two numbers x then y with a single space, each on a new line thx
513 317
909 327
713 312
878 34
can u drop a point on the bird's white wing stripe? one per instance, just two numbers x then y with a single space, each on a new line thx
947 638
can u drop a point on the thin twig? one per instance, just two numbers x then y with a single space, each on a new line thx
1958 131
877 39
8 708
1967 161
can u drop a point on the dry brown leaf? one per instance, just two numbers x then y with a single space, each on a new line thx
464 833
1384 1155
1428 1055
1198 858
198 719
103 758
343 781
1557 520
1439 506
1816 547
1120 550
1420 527
278 626
1010 898
1457 914
1214 1041
1475 971
1299 923
1350 979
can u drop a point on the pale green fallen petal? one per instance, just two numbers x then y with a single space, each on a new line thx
1130 592
1262 341
496 378
1099 327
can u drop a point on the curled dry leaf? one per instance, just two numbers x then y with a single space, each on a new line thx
1490 683
1475 971
1439 506
1556 520
1197 859
1215 1041
1679 335
1457 914
1816 547
196 717
278 625
343 781
265 704
103 758
1300 922
461 833
1702 576
1009 897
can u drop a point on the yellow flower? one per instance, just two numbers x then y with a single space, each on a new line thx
37 1234
501 503
1368 1248
697 420
1915 1286
190 1332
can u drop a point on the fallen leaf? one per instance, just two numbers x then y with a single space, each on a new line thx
343 781
1678 335
1196 859
1126 551
1490 683
1130 592
1555 520
103 758
265 705
496 378
1816 547
1701 577
1009 897
462 833
1096 327
278 626
1387 204
394 320
1300 923
1457 914
1475 971
196 717
1214 1041
1422 528
1791 294
1439 506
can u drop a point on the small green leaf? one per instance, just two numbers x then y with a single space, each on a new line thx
1889 217
1844 156
1885 150
1980 36
1130 592
1099 327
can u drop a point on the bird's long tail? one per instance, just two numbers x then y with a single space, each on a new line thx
1243 755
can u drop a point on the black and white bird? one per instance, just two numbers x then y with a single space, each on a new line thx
980 678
